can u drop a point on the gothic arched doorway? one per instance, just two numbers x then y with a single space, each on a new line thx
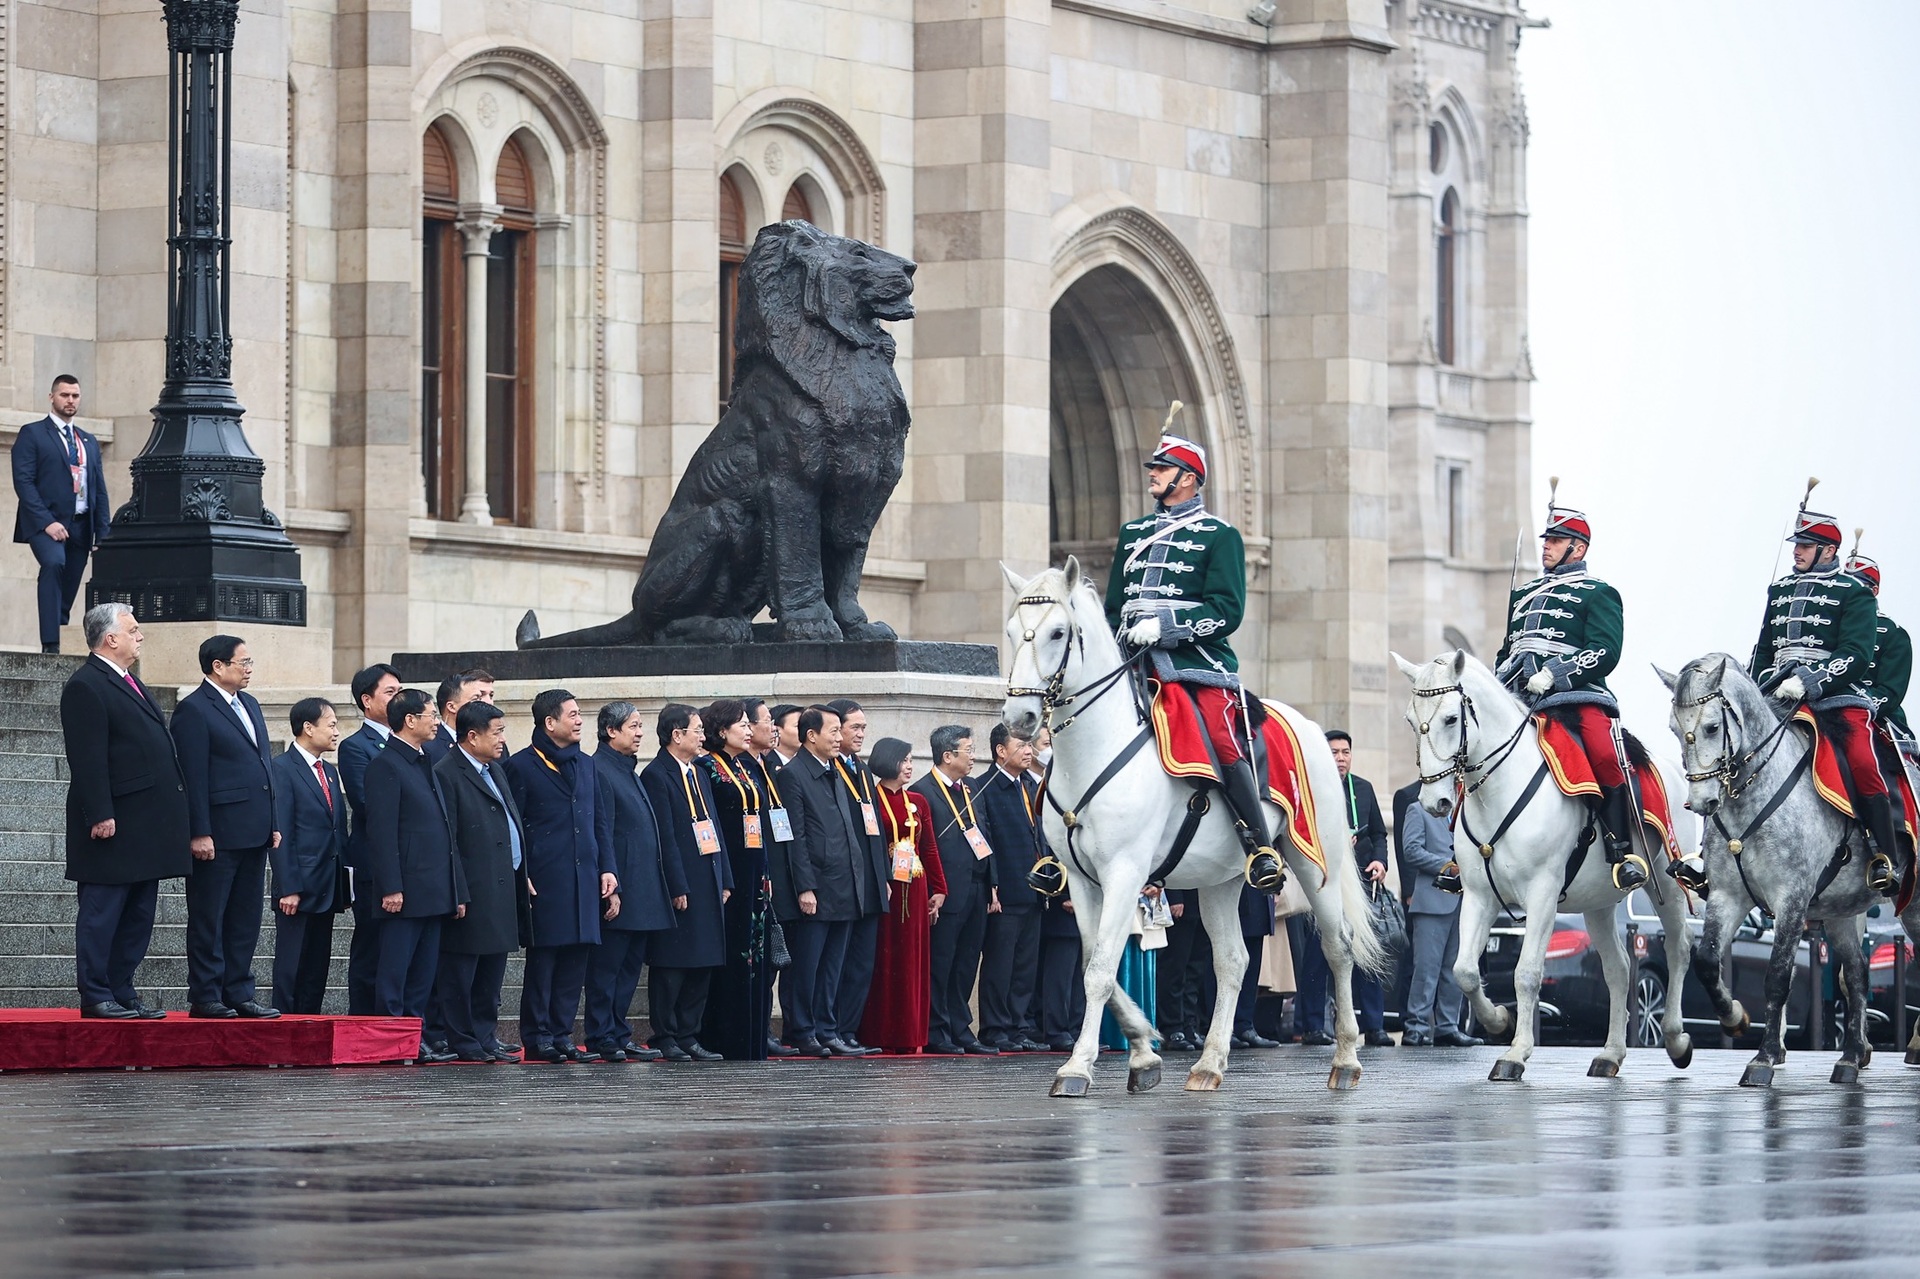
1115 367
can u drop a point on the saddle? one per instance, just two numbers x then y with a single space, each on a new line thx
1187 753
1834 783
1573 773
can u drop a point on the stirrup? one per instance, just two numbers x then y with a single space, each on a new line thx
1688 876
1265 881
1880 874
1639 877
1048 877
1448 880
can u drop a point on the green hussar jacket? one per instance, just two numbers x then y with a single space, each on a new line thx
1570 625
1889 672
1820 626
1189 569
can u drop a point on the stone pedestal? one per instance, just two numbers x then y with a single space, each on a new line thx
283 656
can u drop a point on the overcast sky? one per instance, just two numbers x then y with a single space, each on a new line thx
1725 254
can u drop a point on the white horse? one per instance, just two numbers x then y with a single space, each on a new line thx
1514 835
1068 668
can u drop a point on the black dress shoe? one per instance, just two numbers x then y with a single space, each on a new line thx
53 649
479 1057
1458 1039
974 1048
838 1047
1060 1045
109 1009
573 1052
506 1052
1254 1039
1028 1044
777 1049
608 1052
212 1012
700 1052
254 1008
547 1053
1316 1039
431 1056
1416 1039
639 1052
1176 1042
844 1047
146 1013
674 1052
944 1049
1377 1039
504 1058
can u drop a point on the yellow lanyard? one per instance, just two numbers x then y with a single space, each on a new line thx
771 787
913 822
694 806
749 793
851 789
946 788
544 760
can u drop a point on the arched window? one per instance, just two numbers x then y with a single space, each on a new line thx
1445 277
733 251
442 306
510 310
796 208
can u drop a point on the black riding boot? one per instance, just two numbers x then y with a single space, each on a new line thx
1616 836
1876 813
1242 794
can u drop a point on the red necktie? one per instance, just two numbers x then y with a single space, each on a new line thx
326 793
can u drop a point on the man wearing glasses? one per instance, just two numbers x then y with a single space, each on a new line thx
220 737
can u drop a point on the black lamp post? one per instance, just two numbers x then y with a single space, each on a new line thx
195 541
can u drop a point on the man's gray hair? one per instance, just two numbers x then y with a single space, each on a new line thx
100 619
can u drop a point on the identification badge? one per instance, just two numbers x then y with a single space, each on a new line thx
873 819
981 849
707 836
79 473
750 826
782 825
902 861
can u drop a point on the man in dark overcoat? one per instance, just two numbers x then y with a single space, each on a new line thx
491 841
682 961
856 974
1009 806
310 812
372 689
955 939
569 873
650 883
126 813
221 739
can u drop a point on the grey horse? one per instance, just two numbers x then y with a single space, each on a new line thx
1771 841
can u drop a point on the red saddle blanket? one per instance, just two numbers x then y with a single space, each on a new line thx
1573 774
1184 752
1830 775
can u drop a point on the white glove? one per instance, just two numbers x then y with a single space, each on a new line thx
1144 633
1541 681
1791 690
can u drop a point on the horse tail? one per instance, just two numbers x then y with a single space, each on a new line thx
1357 918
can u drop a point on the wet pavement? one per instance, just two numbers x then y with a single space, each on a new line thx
964 1167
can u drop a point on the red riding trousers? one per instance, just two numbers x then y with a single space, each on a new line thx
1848 728
1219 711
1594 727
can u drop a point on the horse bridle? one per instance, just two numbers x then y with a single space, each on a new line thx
1461 767
1727 768
1052 695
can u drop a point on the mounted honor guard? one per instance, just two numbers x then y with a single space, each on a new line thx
1816 648
1564 630
1887 677
1176 591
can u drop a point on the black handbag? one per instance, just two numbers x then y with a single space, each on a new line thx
1389 917
777 953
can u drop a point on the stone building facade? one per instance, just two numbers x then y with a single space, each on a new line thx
480 276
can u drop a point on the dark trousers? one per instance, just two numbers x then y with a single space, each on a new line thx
550 993
953 956
466 993
62 565
810 985
1180 975
1063 994
1009 973
223 925
409 959
677 1000
613 974
363 948
856 975
302 952
1314 977
110 935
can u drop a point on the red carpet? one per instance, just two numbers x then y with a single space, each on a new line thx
59 1039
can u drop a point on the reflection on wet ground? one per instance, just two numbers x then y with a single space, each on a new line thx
963 1167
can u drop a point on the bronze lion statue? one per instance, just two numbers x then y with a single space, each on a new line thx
778 504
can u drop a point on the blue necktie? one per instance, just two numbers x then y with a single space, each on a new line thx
513 830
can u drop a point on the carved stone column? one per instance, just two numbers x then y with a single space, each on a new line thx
477 223
195 541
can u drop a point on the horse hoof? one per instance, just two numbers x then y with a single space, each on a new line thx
1757 1075
1506 1071
1913 1056
1344 1078
1866 1058
1143 1078
1603 1068
1070 1086
1683 1058
1203 1081
1845 1072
